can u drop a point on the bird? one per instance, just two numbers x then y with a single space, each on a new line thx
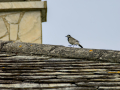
73 41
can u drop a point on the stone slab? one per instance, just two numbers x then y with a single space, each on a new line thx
29 5
23 5
10 0
13 18
30 27
13 31
3 29
5 38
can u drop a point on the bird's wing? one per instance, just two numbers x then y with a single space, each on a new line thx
75 39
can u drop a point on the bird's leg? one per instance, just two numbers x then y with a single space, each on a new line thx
73 45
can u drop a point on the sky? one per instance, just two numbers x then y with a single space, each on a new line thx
94 23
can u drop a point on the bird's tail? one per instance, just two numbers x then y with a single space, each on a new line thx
81 46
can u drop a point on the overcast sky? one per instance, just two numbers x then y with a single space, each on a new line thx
95 23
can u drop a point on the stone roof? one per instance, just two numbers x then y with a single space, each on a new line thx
44 73
32 66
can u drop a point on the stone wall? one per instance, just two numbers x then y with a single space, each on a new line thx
22 21
17 0
10 0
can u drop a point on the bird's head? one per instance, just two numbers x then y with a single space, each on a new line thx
68 36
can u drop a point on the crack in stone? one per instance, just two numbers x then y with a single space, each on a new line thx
4 35
36 39
7 26
20 18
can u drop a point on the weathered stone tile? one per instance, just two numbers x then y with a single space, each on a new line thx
19 25
5 38
30 26
39 40
30 36
13 18
13 31
8 13
3 29
23 5
19 6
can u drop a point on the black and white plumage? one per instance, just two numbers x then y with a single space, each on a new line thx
73 41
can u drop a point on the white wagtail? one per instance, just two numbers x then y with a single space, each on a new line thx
73 41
